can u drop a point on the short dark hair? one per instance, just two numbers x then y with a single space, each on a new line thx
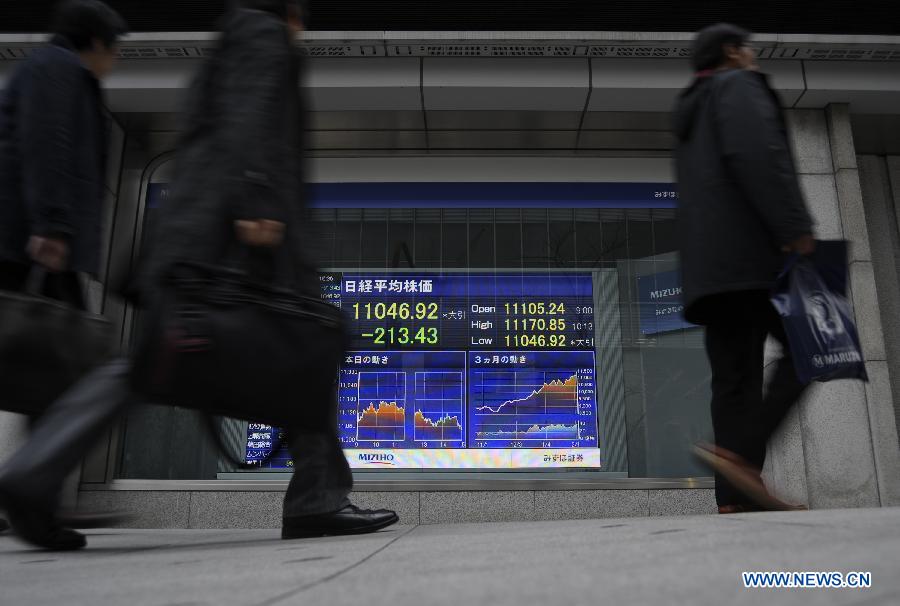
707 49
277 7
83 21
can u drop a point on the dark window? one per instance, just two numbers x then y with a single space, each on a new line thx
509 238
481 238
348 238
534 238
374 238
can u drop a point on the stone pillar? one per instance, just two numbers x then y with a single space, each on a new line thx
12 434
865 237
845 430
884 241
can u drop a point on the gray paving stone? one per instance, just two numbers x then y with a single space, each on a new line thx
693 501
689 560
148 509
154 568
590 504
476 506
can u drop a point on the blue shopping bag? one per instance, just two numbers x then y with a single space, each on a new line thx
810 295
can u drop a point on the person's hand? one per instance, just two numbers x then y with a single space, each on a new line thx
804 245
52 253
261 232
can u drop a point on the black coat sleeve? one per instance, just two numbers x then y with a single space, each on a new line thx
757 156
51 96
256 77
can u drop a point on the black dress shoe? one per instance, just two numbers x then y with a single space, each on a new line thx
35 526
349 520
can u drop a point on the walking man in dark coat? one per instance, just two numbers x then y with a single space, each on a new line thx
240 173
53 152
740 210
53 147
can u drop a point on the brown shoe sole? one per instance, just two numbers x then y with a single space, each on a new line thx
745 481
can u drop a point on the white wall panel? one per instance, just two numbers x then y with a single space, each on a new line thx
505 84
364 84
149 86
867 86
645 85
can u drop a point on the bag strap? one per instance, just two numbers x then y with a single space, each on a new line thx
220 444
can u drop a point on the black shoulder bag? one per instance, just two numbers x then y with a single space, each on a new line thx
46 346
216 340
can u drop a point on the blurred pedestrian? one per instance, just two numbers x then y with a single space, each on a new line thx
740 210
53 152
238 178
53 147
239 175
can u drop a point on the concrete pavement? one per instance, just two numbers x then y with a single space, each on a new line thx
694 560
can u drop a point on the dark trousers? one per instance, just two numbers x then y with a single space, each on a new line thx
65 433
743 418
322 479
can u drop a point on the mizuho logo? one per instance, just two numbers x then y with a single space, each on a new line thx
381 458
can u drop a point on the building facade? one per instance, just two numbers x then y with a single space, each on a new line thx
495 212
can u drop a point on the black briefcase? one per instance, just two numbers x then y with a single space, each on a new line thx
45 347
216 340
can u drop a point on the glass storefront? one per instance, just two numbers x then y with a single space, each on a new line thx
495 326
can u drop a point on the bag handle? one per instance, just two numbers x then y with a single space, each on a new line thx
220 444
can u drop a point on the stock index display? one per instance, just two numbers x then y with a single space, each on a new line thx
473 362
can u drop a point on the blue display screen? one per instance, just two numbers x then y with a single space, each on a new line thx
456 399
474 360
533 399
480 360
403 399
461 311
